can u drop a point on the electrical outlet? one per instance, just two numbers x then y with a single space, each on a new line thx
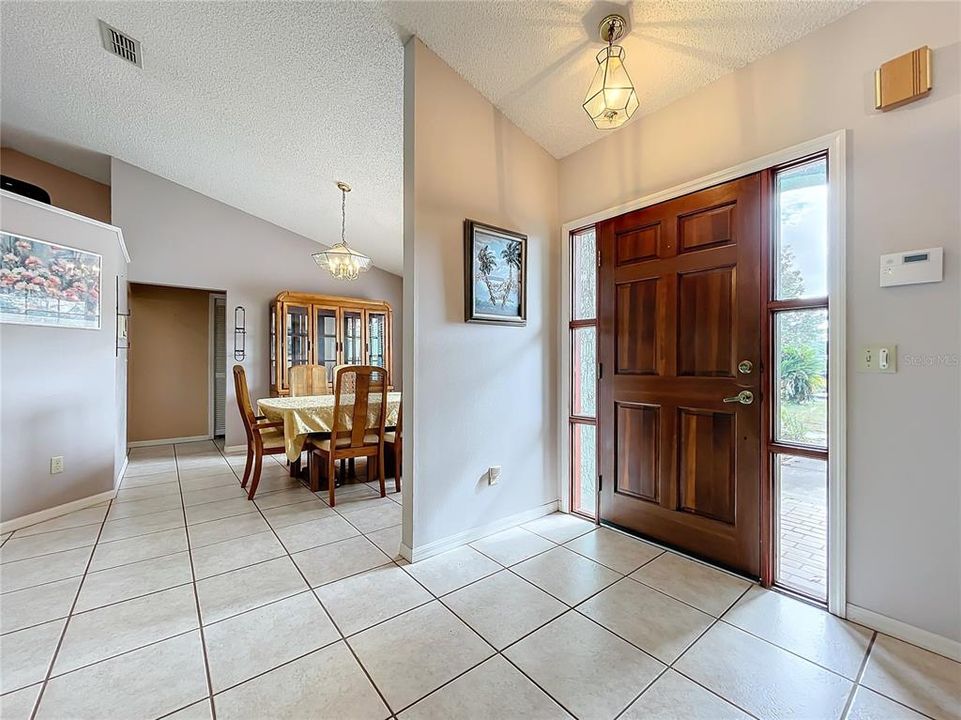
56 464
493 474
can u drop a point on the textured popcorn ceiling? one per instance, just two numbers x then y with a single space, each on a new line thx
534 60
264 105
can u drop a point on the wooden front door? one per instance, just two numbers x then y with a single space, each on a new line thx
679 341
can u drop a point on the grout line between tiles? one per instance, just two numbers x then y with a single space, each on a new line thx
673 665
497 652
124 652
857 679
193 577
323 607
665 670
66 625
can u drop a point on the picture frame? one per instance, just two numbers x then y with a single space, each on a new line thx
48 284
495 275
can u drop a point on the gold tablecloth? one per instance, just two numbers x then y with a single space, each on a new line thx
315 414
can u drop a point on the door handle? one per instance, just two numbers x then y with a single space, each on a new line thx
745 397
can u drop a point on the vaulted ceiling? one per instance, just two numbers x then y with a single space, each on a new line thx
265 105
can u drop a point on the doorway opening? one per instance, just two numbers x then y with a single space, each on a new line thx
176 365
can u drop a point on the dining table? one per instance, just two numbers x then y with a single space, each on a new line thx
309 414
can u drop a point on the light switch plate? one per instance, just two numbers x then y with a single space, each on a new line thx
878 359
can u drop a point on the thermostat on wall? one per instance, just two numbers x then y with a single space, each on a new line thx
912 267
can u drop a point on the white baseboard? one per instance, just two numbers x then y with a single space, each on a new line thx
168 441
902 631
455 541
123 468
235 448
50 513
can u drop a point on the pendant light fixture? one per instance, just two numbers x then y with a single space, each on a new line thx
611 99
340 261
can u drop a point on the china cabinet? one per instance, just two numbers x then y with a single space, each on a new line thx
326 330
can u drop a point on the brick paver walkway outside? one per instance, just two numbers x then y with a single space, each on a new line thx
802 536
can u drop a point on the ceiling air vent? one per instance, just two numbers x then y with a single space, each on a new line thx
120 44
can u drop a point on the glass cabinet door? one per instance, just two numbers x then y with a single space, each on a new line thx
297 328
325 338
353 337
273 347
377 338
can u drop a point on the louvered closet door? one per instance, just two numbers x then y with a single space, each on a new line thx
679 310
220 366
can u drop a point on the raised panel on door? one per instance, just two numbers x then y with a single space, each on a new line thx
706 477
637 244
679 306
638 439
706 228
636 318
706 322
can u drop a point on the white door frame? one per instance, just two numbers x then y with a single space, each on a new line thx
834 144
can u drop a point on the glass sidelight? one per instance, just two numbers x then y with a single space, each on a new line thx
583 379
799 321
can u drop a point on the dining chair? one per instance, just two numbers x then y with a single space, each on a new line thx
307 380
349 380
263 436
394 438
358 427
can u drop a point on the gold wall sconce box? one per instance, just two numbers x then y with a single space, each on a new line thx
903 80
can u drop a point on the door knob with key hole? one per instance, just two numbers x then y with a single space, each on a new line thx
745 366
745 397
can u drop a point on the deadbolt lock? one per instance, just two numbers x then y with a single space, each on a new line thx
745 366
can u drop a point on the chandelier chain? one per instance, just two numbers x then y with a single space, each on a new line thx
343 216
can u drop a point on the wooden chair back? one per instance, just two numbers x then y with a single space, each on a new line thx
368 386
243 399
349 380
308 380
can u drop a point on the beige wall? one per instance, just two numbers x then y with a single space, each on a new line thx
475 395
61 389
168 366
904 185
67 190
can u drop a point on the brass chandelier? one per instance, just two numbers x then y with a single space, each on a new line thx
340 260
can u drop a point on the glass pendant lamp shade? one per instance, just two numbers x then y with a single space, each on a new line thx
340 260
611 99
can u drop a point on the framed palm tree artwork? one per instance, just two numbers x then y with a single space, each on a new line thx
495 275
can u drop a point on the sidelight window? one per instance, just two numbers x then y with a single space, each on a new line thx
799 318
583 339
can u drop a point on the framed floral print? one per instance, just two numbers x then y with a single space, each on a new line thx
43 283
495 275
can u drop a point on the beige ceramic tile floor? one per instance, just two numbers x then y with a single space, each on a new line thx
181 599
